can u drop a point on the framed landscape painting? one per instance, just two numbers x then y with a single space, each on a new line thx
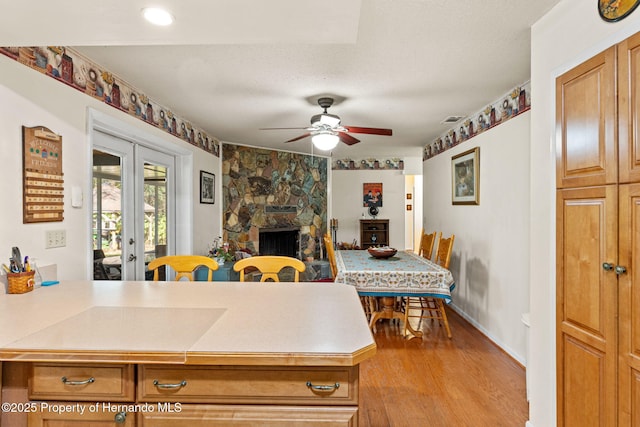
465 177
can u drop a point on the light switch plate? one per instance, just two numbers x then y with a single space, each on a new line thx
56 239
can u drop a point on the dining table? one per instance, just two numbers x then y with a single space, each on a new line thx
404 274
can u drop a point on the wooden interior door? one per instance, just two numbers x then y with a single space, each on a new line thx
586 304
586 134
629 305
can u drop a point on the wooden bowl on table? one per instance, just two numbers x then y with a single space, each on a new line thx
382 252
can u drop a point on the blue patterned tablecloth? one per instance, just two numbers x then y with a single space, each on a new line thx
404 274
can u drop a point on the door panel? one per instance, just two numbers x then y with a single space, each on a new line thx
586 123
583 367
154 205
629 305
586 305
629 109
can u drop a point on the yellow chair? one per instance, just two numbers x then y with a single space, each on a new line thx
331 255
432 308
269 266
183 265
443 255
426 244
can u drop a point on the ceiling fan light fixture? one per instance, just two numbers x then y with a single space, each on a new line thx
325 141
157 16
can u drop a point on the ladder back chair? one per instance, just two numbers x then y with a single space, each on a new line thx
331 255
429 307
269 266
427 243
183 265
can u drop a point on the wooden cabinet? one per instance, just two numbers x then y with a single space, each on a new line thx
597 240
91 394
248 384
251 415
180 395
374 232
83 382
98 417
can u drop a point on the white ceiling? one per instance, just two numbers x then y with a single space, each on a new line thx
232 67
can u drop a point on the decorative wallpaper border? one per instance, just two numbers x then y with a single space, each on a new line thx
513 103
368 164
75 70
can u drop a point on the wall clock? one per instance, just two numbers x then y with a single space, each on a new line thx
616 10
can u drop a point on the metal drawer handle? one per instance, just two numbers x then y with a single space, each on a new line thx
177 385
68 382
323 387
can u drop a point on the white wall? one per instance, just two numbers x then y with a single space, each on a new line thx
346 202
568 35
30 98
491 249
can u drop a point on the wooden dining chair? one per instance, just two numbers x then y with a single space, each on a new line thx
429 307
269 266
426 244
331 255
183 265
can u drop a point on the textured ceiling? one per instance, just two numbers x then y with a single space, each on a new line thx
232 67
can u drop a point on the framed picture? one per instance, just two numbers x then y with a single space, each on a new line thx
207 187
372 194
613 11
465 177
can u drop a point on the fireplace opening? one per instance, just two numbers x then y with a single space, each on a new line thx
279 241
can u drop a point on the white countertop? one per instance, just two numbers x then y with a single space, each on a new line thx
187 322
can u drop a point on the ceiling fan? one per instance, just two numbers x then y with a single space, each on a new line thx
326 131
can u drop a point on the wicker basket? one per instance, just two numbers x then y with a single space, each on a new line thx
20 283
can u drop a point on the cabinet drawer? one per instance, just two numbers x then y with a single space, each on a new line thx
53 416
252 415
250 384
82 382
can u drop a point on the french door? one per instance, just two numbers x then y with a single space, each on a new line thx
133 206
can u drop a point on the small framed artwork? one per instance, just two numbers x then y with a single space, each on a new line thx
613 11
409 207
372 194
207 187
465 177
409 196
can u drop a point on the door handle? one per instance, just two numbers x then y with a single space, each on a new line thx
607 266
132 257
620 269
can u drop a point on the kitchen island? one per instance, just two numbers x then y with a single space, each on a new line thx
177 353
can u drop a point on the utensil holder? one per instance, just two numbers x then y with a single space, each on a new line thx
20 283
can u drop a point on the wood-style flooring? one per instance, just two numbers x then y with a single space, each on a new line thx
436 381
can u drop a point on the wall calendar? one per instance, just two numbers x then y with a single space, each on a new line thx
43 184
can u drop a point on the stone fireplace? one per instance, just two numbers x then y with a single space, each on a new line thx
283 241
266 190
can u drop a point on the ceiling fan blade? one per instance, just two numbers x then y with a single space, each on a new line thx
282 128
370 131
347 139
299 137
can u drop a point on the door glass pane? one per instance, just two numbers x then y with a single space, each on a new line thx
155 211
107 216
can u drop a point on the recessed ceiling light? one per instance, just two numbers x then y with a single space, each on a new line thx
157 16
